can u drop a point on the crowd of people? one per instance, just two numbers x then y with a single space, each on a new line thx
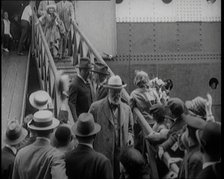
56 22
105 139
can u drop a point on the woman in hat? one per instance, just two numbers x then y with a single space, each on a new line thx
13 136
53 29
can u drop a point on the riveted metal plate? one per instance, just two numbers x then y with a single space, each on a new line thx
211 37
123 38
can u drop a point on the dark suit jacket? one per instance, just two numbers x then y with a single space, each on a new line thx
7 162
84 162
212 171
80 97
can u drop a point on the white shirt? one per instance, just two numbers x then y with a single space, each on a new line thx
27 13
6 26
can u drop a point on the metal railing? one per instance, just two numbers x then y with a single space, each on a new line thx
81 47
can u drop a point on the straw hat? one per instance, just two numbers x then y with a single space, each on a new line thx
40 99
115 82
85 126
15 133
43 120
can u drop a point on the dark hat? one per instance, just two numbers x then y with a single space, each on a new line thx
210 137
43 120
100 68
158 109
85 63
85 126
176 106
15 133
115 82
63 134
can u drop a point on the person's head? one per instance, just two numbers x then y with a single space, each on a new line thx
6 16
158 112
32 3
115 86
141 79
213 82
63 85
62 136
168 85
100 72
176 107
209 139
40 100
84 67
16 18
15 133
43 123
197 106
51 8
85 129
133 162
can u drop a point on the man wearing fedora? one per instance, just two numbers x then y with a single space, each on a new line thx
209 139
40 159
14 135
84 161
116 120
80 93
101 77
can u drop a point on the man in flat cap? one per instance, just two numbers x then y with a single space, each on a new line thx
80 93
116 120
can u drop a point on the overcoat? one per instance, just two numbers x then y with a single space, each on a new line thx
105 139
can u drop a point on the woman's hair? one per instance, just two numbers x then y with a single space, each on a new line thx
133 162
141 79
168 84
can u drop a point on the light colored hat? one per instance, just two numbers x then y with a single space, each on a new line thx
115 82
15 133
142 77
43 120
197 106
40 99
51 6
85 126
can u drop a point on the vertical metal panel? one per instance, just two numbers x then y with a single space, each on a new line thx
166 38
189 39
211 37
123 38
142 38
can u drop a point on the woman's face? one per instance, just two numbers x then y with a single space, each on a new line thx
51 10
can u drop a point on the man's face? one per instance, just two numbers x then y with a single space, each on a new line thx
85 72
115 95
51 10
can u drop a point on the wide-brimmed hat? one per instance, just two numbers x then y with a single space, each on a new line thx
141 77
15 133
40 99
43 120
85 126
115 82
84 63
176 106
100 68
197 106
210 137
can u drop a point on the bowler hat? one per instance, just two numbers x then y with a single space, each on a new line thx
15 133
85 126
100 68
62 134
197 106
43 120
210 137
115 82
40 99
84 63
176 106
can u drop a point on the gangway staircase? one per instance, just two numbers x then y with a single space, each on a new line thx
49 71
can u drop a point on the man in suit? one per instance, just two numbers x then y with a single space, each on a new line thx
116 120
101 77
43 6
80 93
209 139
84 161
14 135
66 13
40 159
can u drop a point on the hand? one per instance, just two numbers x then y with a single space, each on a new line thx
208 104
160 152
174 160
130 140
